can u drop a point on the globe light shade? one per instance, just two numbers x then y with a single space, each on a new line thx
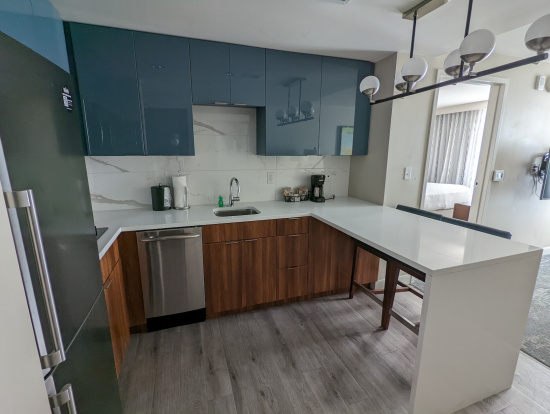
369 86
307 109
400 83
537 37
452 64
477 46
414 69
281 116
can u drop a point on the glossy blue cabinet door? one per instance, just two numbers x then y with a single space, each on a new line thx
345 112
289 123
164 80
210 75
247 66
107 83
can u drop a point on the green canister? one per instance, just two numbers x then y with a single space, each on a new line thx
161 197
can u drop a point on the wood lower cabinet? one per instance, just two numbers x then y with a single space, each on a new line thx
223 276
115 296
259 264
129 257
118 315
292 282
292 250
330 258
293 225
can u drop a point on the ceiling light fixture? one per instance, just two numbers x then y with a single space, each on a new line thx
475 47
537 37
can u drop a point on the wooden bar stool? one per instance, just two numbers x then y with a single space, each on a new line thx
393 267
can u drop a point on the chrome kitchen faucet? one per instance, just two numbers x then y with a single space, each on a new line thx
231 198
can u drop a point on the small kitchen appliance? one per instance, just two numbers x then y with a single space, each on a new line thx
317 182
161 197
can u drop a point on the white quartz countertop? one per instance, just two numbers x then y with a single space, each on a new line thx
430 246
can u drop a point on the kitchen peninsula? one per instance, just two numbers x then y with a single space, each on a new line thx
478 288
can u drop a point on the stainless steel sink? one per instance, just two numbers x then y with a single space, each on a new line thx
232 211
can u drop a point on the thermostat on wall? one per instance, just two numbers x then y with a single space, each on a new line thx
498 175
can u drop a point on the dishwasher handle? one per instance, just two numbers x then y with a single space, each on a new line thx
162 238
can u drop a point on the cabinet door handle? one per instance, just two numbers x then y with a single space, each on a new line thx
234 242
294 235
294 218
239 104
65 396
162 238
251 240
292 268
25 199
221 103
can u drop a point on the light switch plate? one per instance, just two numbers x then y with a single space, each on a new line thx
498 175
271 177
408 173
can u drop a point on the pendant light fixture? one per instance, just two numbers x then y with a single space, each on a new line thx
369 86
400 83
414 69
453 63
537 37
475 47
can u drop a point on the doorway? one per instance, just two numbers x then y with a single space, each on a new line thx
460 151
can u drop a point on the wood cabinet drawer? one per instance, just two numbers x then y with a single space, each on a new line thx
217 233
109 261
292 282
292 251
223 277
294 225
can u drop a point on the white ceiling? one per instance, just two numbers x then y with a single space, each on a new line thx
462 93
363 29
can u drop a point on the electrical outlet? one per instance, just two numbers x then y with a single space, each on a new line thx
408 173
271 177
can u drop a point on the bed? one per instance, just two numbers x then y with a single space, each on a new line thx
444 196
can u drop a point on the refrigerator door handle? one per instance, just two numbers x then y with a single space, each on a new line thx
65 396
25 199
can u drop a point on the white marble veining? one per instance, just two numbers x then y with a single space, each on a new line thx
225 146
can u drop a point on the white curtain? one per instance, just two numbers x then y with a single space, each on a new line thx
454 152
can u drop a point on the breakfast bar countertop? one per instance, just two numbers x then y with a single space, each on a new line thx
430 246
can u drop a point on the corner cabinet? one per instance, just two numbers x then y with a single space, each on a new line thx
345 111
104 65
164 81
289 123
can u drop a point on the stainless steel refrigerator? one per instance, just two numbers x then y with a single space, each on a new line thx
42 150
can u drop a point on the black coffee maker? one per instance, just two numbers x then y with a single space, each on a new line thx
317 182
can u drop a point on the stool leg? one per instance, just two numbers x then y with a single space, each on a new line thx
392 274
351 286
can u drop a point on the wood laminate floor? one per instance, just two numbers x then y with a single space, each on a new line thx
322 356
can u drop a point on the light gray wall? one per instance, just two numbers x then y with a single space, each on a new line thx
368 173
410 128
524 135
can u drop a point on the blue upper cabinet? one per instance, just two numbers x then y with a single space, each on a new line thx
108 88
211 78
165 90
345 112
247 65
289 123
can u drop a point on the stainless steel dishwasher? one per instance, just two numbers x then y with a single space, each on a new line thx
172 276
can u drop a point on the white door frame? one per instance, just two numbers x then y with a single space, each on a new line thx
491 138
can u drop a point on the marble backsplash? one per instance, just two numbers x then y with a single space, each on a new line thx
225 147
